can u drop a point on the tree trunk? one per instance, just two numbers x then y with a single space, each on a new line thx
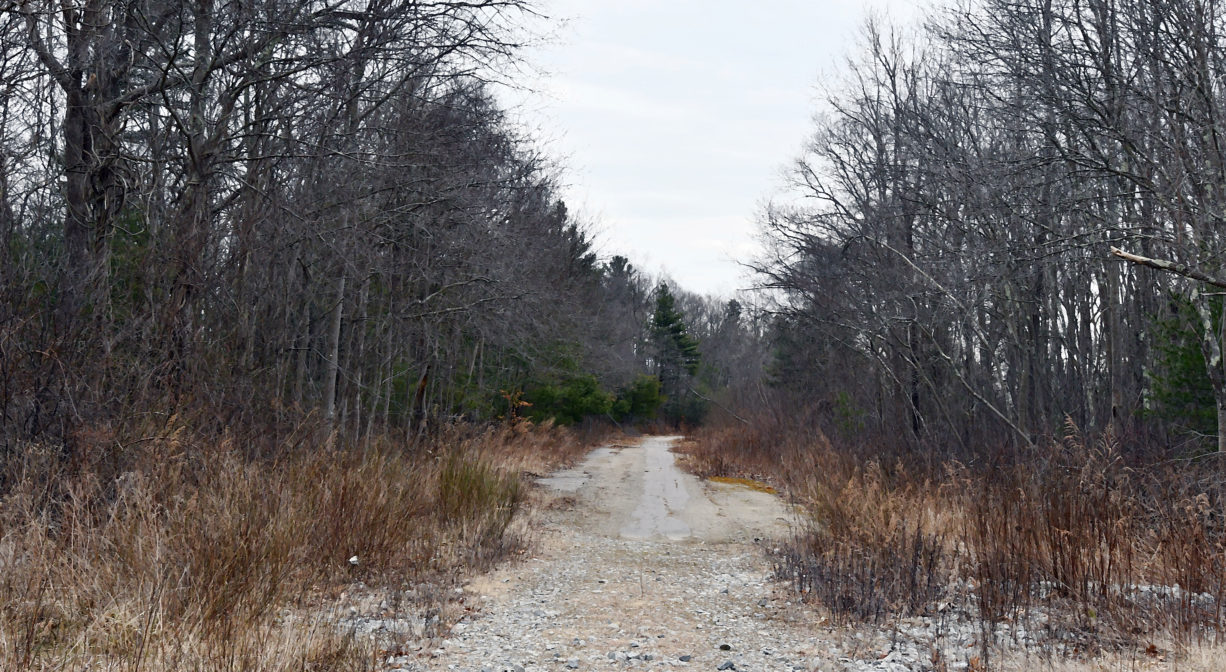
1221 424
332 368
84 260
1211 346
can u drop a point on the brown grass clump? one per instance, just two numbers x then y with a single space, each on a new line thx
181 553
1085 549
736 451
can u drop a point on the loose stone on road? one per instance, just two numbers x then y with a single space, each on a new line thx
638 565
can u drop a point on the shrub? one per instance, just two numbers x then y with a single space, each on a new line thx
569 401
1071 540
641 400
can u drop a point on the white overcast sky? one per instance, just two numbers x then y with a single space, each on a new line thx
674 119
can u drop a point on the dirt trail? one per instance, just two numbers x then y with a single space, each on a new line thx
639 493
638 566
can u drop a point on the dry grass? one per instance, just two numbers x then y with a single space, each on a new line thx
1093 554
182 554
735 451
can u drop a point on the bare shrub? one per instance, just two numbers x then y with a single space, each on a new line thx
1087 549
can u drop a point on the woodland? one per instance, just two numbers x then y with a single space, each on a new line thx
245 214
255 214
302 241
996 342
1014 221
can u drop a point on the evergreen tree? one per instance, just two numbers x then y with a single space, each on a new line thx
1180 390
675 357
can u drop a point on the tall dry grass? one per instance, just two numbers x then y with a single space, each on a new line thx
182 553
1086 549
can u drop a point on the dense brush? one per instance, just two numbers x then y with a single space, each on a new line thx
196 556
1072 539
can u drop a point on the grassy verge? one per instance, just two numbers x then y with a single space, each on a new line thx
187 554
1071 551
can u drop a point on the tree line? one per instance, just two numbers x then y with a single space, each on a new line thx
257 211
1010 218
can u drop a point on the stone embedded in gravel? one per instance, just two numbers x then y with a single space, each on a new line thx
686 658
572 664
726 665
725 647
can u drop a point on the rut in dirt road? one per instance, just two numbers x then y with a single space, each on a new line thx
638 566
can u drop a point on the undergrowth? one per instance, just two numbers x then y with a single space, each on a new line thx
190 553
1084 549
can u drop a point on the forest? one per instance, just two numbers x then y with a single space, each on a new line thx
1012 220
255 213
302 242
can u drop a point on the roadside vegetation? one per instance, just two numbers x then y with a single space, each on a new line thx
1071 550
189 552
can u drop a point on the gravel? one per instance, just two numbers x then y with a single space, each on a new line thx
590 599
660 607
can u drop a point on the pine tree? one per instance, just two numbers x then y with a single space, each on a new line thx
675 356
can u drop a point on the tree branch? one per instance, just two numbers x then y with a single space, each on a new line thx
1170 267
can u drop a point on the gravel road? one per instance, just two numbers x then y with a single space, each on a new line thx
638 565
